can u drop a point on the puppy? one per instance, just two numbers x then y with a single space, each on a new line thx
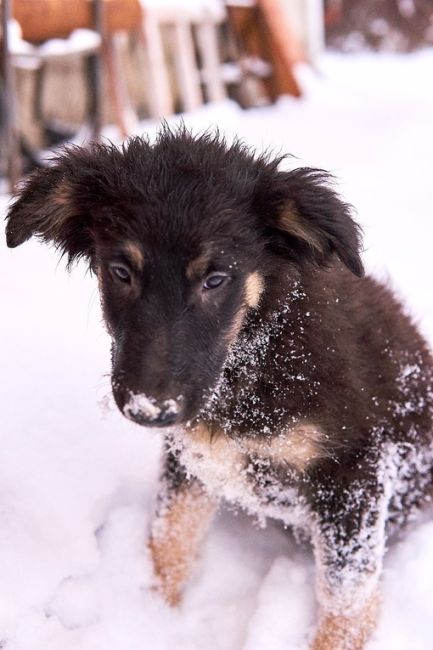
289 384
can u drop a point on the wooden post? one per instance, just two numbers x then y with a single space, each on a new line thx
158 82
94 73
125 115
314 16
207 38
185 64
284 46
9 125
263 31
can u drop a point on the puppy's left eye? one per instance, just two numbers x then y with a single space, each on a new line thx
121 273
214 281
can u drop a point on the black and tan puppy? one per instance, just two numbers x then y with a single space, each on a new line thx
290 385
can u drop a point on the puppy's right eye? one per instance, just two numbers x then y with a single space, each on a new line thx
121 273
214 281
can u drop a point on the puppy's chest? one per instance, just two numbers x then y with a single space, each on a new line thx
244 474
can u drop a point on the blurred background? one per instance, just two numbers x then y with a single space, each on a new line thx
82 69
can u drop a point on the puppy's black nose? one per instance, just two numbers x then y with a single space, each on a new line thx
165 419
152 413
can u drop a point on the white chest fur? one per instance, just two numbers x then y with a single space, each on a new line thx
223 465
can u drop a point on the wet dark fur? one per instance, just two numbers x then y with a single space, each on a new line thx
336 358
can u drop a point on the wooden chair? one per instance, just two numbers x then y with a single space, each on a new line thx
59 18
197 61
16 52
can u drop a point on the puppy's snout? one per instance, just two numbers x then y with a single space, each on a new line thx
148 411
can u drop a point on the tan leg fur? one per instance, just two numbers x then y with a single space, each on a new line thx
339 632
177 534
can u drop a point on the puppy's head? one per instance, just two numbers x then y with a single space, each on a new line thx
181 235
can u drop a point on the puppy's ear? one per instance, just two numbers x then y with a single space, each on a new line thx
307 221
45 207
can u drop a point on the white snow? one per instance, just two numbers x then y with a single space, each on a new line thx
140 404
79 42
77 483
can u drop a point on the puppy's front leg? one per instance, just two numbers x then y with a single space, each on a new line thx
349 546
183 516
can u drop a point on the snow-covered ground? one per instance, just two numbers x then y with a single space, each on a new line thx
77 481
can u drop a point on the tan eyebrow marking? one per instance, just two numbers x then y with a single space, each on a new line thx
135 253
198 266
253 289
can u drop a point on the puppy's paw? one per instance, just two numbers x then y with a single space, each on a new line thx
347 632
171 595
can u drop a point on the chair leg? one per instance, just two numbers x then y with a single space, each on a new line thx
284 47
92 67
207 41
125 115
9 127
186 66
159 95
94 71
39 75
